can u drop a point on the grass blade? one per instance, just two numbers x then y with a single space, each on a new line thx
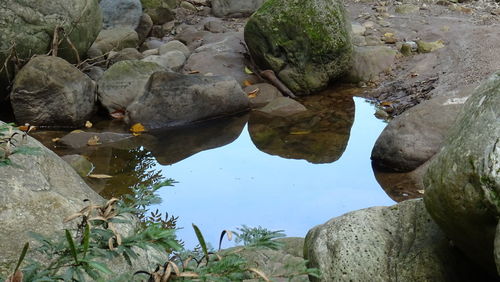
21 257
86 240
201 240
229 237
71 245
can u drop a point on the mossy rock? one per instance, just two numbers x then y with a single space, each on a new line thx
30 27
307 43
463 181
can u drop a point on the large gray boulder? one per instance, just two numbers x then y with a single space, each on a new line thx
231 8
50 91
173 99
30 26
123 82
222 54
415 136
397 243
37 192
463 181
306 43
123 13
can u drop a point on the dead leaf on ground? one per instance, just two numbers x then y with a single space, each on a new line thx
99 176
137 129
253 93
421 191
193 72
94 141
88 124
56 139
246 83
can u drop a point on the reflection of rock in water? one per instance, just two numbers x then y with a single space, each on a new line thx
401 186
173 145
319 135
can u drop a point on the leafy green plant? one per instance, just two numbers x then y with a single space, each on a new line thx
82 253
259 237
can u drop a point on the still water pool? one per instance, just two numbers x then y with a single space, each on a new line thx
236 184
280 173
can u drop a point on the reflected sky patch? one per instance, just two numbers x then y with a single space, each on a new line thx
237 184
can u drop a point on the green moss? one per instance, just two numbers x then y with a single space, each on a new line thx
305 35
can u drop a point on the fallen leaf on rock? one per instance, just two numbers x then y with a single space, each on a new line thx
27 127
93 141
88 124
246 83
118 114
193 72
253 93
248 71
100 176
137 129
300 132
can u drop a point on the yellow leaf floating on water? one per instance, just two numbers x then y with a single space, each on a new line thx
137 129
248 71
100 176
88 124
300 132
253 93
93 141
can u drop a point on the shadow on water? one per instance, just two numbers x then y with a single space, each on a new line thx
319 135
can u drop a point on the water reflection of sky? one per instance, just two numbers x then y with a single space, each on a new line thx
237 184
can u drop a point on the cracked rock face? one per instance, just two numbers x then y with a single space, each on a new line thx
463 181
29 26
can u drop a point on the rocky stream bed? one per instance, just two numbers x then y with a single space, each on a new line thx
430 67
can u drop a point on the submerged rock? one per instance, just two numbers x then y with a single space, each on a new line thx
283 107
463 181
173 99
306 43
30 26
397 243
50 91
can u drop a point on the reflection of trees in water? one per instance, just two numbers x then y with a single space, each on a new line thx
129 168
